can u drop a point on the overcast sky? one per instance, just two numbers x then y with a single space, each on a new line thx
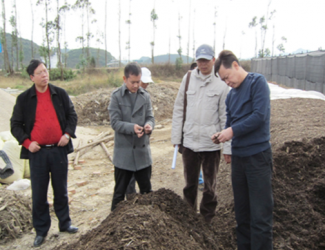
301 22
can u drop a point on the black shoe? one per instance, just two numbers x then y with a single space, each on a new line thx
70 230
38 240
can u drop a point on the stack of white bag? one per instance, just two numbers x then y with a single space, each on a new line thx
10 149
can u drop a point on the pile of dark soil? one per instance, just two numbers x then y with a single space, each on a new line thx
159 220
15 215
92 107
299 195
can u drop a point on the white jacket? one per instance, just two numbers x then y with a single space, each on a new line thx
205 113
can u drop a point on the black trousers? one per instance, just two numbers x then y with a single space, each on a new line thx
122 180
45 164
131 186
192 162
252 186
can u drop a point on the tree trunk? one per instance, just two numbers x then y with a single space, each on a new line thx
4 47
58 40
105 33
16 33
47 34
119 33
31 42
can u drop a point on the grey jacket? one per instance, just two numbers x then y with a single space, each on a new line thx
205 113
130 152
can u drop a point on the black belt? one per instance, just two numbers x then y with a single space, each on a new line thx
48 146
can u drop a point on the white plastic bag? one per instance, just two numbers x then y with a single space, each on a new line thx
19 185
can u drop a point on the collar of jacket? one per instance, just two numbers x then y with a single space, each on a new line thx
33 90
204 78
124 88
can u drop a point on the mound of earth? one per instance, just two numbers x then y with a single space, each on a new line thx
92 107
158 220
299 195
15 219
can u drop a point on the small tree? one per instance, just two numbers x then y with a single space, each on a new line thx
252 25
179 60
215 27
280 47
8 68
154 18
128 22
49 29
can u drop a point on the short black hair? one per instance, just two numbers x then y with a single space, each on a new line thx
132 68
225 58
33 64
193 66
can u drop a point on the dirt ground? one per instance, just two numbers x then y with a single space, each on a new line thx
161 220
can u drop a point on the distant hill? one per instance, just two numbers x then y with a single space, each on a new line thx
164 59
26 48
74 57
72 60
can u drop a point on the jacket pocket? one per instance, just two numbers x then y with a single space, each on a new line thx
190 94
211 101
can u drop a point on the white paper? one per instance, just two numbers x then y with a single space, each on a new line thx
175 156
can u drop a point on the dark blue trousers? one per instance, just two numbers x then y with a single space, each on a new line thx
252 187
122 180
45 164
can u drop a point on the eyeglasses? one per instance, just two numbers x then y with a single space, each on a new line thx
41 73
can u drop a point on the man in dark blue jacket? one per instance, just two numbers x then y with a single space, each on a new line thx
248 125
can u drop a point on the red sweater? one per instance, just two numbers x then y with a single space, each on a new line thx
46 128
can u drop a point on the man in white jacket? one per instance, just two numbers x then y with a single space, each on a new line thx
205 115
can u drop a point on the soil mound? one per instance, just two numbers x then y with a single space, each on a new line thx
299 195
159 220
92 107
16 215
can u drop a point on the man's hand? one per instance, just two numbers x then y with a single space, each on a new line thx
227 158
223 136
147 129
215 137
138 130
34 147
63 141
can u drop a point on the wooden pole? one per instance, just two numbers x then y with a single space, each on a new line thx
106 151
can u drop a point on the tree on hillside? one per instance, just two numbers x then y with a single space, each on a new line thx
252 25
99 41
4 41
49 29
32 30
154 17
128 22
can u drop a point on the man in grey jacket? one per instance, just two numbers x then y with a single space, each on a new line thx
205 114
131 117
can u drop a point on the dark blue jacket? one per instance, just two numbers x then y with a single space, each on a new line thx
248 113
23 116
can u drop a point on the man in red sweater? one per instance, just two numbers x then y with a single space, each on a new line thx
43 121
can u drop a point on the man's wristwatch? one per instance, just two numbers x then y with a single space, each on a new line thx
68 136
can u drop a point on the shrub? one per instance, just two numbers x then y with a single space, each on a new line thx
55 74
